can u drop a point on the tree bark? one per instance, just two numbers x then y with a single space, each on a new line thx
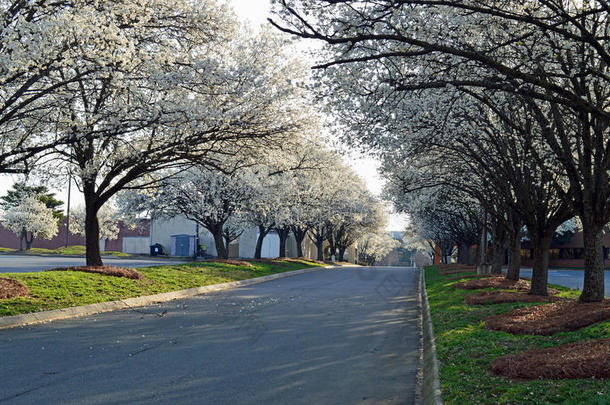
299 236
262 232
342 250
221 250
540 265
22 236
514 266
499 250
320 250
464 253
283 234
28 242
92 231
593 288
332 247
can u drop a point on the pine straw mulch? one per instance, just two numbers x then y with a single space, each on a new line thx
233 262
548 319
501 297
105 270
575 360
499 282
10 288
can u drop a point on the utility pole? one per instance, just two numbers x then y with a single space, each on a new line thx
68 207
196 249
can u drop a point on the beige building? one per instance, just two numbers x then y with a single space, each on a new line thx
177 237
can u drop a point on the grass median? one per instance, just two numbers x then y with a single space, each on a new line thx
466 349
62 289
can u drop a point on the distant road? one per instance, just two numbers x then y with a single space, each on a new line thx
28 264
345 336
569 278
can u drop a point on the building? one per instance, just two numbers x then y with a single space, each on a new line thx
177 237
129 240
565 252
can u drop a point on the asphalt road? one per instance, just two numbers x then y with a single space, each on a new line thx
345 336
27 264
570 278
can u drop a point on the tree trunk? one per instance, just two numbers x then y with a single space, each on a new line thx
540 265
463 253
283 234
331 248
227 244
28 242
477 255
593 288
498 258
515 257
319 248
22 236
499 250
299 236
262 232
342 250
92 231
221 250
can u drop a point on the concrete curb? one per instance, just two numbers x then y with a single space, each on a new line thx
429 365
92 309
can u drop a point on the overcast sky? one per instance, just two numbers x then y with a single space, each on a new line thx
256 12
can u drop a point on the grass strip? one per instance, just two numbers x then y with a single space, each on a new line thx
62 289
466 348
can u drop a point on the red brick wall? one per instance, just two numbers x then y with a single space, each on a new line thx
11 240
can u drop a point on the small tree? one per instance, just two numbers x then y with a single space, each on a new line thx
19 192
31 219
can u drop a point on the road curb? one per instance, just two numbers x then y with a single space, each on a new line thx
430 390
92 309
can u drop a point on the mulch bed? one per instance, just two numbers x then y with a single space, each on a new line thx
498 282
576 360
10 288
500 297
106 270
234 262
548 319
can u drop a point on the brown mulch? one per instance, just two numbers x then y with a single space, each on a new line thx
10 288
575 360
548 319
498 282
233 262
106 270
500 297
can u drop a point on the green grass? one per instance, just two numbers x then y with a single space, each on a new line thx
466 349
75 250
62 289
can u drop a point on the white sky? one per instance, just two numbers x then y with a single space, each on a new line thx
256 12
